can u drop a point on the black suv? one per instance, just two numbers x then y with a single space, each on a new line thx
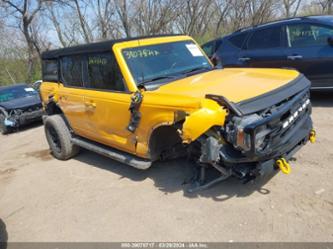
19 105
304 43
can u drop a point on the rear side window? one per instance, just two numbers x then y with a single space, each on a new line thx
72 70
265 38
97 71
104 73
50 70
238 40
306 35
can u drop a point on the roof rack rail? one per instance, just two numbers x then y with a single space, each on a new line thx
272 22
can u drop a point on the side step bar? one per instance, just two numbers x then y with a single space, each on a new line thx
117 155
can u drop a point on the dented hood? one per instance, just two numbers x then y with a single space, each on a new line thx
236 84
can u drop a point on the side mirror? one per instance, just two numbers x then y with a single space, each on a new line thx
330 41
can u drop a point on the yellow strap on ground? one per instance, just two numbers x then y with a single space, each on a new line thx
312 136
284 166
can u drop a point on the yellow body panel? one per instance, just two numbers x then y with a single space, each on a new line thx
235 84
103 116
209 115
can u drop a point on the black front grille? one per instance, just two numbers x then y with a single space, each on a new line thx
281 136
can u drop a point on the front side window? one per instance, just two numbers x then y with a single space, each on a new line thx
307 35
265 39
71 70
208 48
104 73
166 60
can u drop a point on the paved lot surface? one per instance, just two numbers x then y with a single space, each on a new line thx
92 198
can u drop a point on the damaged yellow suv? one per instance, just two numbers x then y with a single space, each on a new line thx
145 99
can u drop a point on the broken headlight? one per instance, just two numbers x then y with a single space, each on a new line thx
240 139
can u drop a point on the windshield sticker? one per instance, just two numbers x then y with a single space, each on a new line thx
141 53
194 50
29 89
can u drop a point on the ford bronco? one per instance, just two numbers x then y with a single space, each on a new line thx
145 99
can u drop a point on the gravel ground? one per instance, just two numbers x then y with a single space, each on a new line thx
92 198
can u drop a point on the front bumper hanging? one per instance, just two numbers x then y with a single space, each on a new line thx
23 118
284 142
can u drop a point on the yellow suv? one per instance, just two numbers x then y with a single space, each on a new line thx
145 99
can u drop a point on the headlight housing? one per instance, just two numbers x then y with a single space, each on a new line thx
242 140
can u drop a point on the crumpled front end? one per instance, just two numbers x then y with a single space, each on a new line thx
22 116
259 132
277 132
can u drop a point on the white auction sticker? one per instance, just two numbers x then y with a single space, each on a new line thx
195 51
29 89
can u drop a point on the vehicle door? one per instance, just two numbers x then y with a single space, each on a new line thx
228 52
264 49
107 102
309 52
70 92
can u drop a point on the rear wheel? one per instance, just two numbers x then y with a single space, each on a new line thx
59 138
3 128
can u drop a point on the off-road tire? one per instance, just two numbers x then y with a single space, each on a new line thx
3 129
59 137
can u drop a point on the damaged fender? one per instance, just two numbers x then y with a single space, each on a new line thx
3 111
200 121
7 122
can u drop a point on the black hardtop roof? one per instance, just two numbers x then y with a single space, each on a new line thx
12 86
93 47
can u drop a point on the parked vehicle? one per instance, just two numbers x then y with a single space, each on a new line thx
19 105
210 49
140 100
36 85
304 43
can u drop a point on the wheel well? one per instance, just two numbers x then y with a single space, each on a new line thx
52 108
163 139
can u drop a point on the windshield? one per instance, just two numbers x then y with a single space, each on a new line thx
9 94
167 60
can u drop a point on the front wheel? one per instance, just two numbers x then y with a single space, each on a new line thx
59 138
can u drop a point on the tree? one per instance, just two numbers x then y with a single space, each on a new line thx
291 7
194 17
123 12
326 6
222 7
154 16
25 12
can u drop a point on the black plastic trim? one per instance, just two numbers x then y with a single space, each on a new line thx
94 47
269 99
223 101
120 156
